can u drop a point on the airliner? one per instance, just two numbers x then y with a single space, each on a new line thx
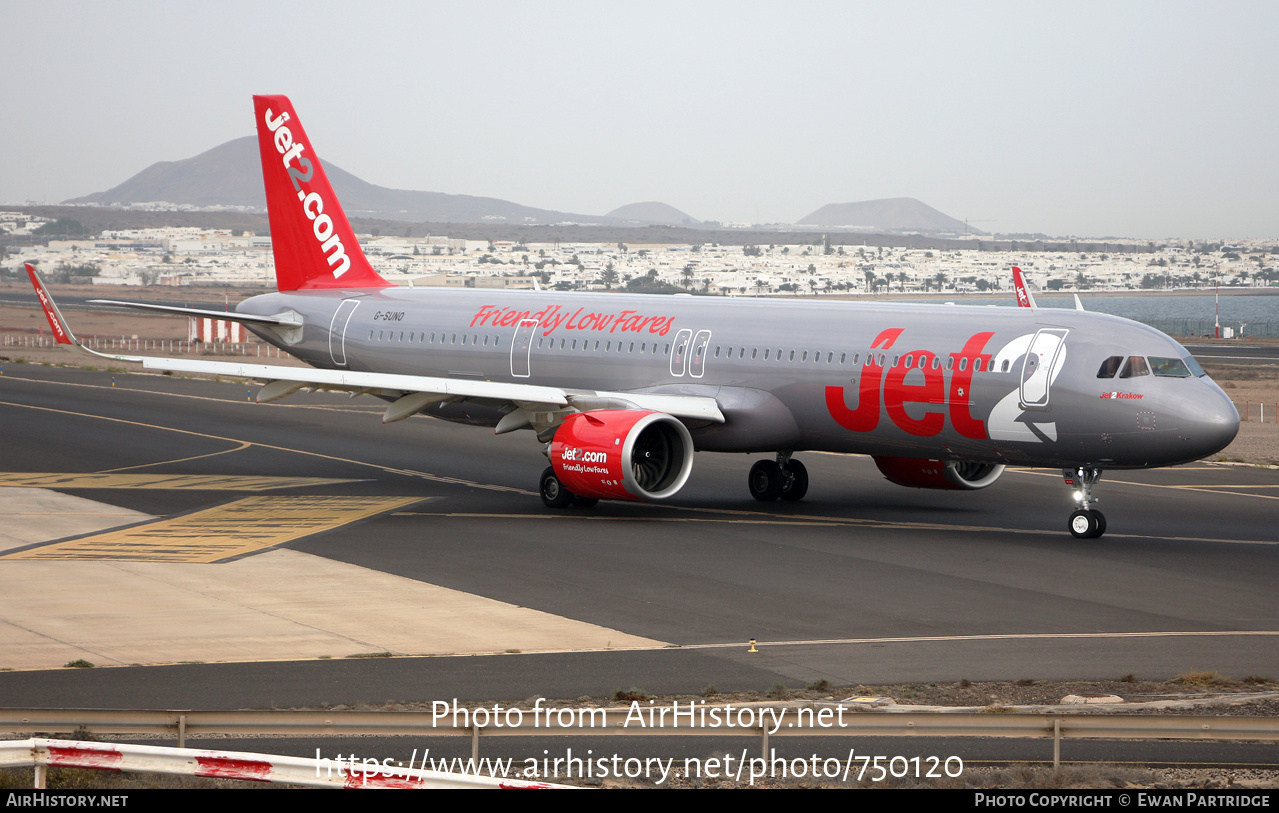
620 390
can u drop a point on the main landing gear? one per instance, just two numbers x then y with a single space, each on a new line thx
555 495
780 479
1085 522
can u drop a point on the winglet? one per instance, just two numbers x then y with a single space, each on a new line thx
311 238
61 331
1025 299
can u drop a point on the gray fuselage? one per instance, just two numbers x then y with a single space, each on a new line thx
998 384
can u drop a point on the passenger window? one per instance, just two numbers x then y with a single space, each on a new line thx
1004 367
1135 367
1110 366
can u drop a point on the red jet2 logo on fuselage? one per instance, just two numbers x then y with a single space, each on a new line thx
897 393
1043 355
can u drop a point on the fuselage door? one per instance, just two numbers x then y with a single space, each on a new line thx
522 348
337 330
1037 370
697 359
679 352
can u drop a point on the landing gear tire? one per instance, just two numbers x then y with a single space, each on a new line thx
554 494
1087 524
766 481
795 481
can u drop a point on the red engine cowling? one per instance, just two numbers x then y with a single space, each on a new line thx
622 454
964 475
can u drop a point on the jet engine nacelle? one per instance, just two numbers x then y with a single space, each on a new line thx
622 454
949 474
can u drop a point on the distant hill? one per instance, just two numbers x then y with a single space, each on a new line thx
231 175
653 212
227 175
887 214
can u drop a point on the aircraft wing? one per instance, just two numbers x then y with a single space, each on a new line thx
413 392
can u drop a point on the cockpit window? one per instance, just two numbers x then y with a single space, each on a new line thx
1195 369
1169 367
1110 366
1136 366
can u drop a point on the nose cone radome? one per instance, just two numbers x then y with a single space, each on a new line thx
1208 421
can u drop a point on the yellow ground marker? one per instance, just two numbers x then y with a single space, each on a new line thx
189 482
236 529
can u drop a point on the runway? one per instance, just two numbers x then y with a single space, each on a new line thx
863 582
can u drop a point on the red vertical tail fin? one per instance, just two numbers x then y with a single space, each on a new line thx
313 242
1025 298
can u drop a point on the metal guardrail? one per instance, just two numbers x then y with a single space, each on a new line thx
694 719
43 754
129 345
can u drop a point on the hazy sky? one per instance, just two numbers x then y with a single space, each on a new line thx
1144 119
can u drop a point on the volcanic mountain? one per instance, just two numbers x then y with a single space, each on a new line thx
231 175
887 214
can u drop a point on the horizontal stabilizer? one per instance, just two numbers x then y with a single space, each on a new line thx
279 320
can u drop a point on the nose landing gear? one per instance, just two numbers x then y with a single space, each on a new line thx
1085 522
